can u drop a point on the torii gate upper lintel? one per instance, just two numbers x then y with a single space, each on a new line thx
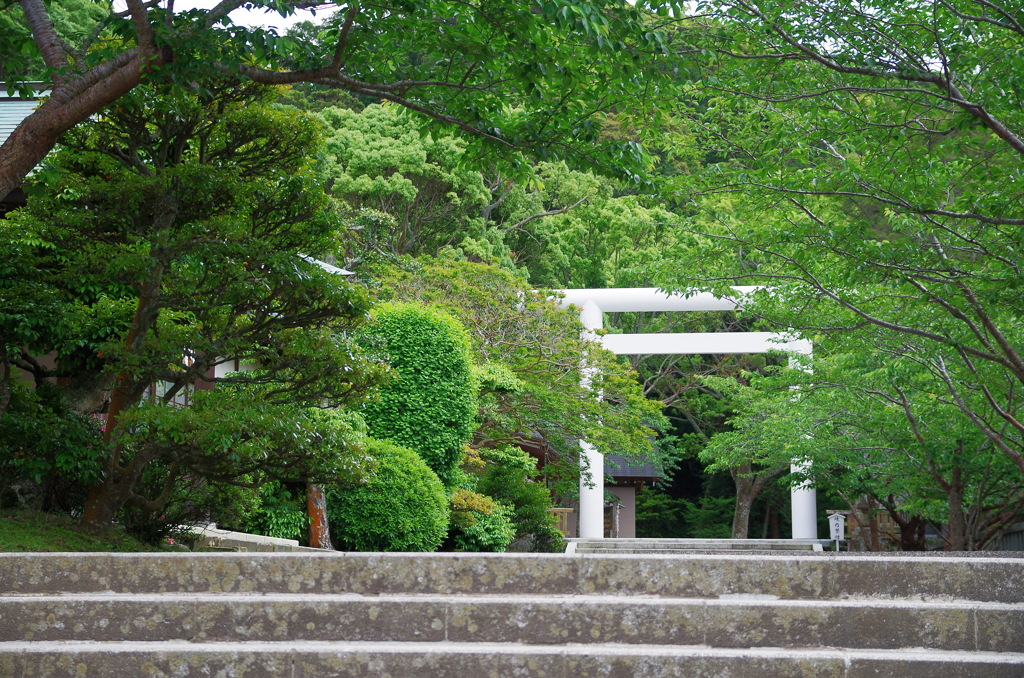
593 303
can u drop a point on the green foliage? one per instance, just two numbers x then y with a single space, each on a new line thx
507 477
876 424
710 518
431 406
192 500
659 515
43 441
377 159
402 506
516 81
569 229
282 513
874 187
74 21
479 523
514 328
284 442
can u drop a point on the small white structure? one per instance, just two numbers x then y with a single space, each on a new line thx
593 303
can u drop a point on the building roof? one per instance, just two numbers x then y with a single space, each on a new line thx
617 467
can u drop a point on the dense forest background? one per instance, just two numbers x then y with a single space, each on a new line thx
860 166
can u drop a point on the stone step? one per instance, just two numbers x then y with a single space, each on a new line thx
810 576
735 621
714 545
664 551
288 659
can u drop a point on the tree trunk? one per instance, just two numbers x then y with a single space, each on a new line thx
103 503
748 488
316 506
956 531
911 536
106 498
5 385
745 495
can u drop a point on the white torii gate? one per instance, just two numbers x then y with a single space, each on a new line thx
595 302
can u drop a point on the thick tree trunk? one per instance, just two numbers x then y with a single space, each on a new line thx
745 496
316 505
956 530
748 488
104 501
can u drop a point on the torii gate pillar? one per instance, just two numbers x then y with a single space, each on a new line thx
591 517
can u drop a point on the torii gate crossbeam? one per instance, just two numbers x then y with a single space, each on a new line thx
593 303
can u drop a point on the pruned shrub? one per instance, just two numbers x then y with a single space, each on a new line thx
431 406
402 506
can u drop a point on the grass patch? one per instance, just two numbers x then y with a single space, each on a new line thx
24 531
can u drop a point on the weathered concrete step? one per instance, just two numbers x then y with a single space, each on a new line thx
459 660
730 622
659 545
786 576
665 551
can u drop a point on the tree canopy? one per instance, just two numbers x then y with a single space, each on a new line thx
532 80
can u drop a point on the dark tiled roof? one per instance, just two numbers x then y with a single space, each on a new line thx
618 467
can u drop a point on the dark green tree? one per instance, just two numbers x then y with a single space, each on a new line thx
176 230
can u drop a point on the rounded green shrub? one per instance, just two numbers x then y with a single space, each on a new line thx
402 506
431 407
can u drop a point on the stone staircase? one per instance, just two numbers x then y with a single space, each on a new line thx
503 615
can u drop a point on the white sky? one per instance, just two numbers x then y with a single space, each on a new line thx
252 17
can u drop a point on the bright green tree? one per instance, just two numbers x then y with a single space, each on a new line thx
377 159
877 424
876 184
